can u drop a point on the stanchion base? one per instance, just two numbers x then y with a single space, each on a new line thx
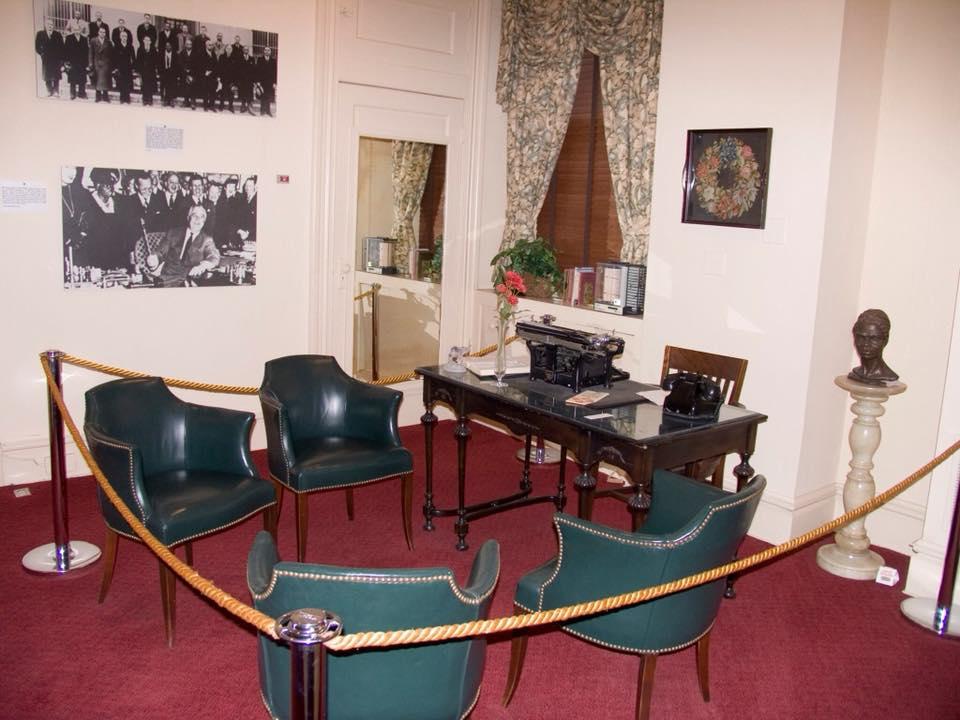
922 610
549 456
42 559
854 566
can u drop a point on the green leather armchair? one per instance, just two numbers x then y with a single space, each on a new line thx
436 680
184 470
692 526
326 431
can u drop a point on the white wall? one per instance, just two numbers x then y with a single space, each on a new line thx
841 98
212 334
912 255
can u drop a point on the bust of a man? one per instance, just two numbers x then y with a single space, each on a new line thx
871 332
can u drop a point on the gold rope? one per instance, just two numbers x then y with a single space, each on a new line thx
173 382
446 632
205 587
235 389
562 614
364 294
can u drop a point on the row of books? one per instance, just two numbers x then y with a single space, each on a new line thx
614 287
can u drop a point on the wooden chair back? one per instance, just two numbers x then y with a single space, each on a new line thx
725 370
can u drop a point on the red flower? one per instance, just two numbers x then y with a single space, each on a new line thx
512 299
514 281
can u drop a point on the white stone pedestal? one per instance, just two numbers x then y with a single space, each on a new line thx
850 555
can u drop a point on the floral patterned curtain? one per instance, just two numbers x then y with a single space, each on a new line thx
540 49
411 162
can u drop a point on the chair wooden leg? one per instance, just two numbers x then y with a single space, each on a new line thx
168 599
349 503
270 521
703 665
518 652
188 553
278 494
648 664
302 517
109 563
406 503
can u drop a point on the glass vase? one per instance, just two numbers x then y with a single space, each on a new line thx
500 360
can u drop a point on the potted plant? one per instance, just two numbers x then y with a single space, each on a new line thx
537 264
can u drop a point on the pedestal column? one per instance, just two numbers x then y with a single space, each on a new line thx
849 555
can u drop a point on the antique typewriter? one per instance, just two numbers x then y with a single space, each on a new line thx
572 358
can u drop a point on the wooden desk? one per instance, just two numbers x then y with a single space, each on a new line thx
634 438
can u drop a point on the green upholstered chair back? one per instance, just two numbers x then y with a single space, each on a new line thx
662 551
439 680
141 412
314 391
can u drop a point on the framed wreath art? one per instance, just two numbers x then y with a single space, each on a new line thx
725 177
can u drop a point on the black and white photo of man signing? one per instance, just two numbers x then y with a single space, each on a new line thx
158 228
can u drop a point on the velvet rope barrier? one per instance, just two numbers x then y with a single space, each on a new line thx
479 627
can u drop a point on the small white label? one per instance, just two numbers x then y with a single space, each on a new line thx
161 137
21 492
888 576
17 196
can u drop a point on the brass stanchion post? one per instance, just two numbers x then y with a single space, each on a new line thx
375 335
307 631
61 555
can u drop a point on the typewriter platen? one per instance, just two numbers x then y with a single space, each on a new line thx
572 358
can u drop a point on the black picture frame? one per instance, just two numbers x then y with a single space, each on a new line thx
725 177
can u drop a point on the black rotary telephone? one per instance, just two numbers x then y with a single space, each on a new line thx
692 397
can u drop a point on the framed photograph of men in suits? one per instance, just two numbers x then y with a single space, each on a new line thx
158 228
88 53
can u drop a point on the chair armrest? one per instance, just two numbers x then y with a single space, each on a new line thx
372 412
676 499
276 424
122 465
219 439
596 561
260 562
485 571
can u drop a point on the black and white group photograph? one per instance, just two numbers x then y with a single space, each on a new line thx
97 54
127 228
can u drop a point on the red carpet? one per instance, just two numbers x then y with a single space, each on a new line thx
796 643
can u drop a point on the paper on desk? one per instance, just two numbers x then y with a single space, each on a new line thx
655 396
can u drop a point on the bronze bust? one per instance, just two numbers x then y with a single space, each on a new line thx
871 332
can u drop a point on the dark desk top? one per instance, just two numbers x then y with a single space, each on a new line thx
638 422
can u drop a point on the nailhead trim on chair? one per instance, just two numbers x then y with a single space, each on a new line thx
624 648
286 460
341 485
625 541
360 577
133 487
205 532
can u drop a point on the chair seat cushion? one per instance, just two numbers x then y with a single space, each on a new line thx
342 462
190 503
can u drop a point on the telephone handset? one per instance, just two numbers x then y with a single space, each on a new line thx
692 396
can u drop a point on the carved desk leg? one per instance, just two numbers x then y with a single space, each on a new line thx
462 433
525 477
743 472
429 420
586 483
